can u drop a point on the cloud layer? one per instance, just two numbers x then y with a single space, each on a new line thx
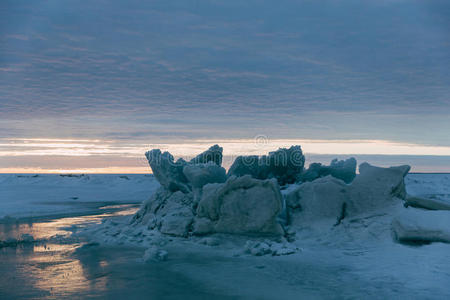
172 71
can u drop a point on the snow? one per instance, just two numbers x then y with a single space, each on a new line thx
357 259
432 187
414 225
41 195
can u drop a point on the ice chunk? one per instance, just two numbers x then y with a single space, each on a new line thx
257 248
242 205
175 218
342 169
200 174
421 226
210 241
329 197
285 165
319 199
248 165
266 247
170 209
376 187
197 196
203 226
428 203
171 213
155 254
169 173
213 154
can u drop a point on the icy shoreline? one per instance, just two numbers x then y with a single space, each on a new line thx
27 196
359 258
331 206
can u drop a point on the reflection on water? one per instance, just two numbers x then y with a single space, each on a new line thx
42 263
46 270
54 275
62 227
60 266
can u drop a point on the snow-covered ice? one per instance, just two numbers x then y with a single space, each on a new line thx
418 226
430 191
29 195
242 205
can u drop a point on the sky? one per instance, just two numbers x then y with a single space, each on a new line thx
89 86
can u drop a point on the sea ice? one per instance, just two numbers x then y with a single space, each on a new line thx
329 197
171 213
286 165
427 203
420 226
341 169
172 175
242 205
201 174
168 172
23 196
197 197
213 154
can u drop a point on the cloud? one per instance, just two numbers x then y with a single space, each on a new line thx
160 71
21 37
12 147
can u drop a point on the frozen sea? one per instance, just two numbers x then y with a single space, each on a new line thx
42 258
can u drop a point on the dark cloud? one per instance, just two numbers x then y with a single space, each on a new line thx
216 69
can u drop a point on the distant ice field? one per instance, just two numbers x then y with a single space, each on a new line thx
28 195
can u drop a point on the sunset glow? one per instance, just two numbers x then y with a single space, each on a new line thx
108 156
